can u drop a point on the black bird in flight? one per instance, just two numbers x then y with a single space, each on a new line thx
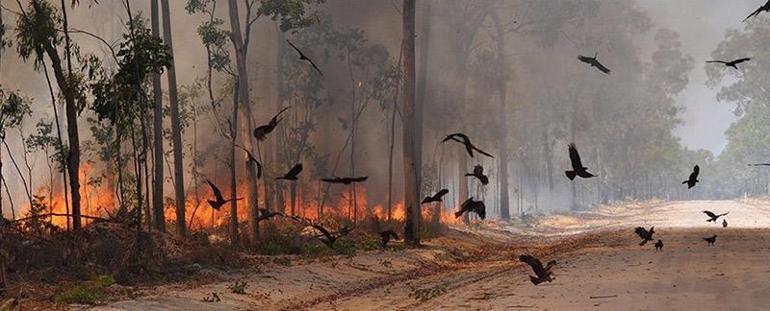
577 166
765 7
344 180
731 63
329 238
305 58
385 237
645 234
470 205
266 214
293 173
693 177
463 139
436 197
261 132
218 196
659 246
724 223
594 62
713 217
711 240
543 273
478 172
759 164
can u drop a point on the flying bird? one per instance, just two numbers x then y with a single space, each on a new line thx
645 234
266 214
731 63
385 237
765 7
594 62
218 196
305 58
478 172
659 246
760 164
724 223
329 238
344 180
470 205
463 139
711 240
436 197
261 131
713 217
293 173
693 177
543 273
577 166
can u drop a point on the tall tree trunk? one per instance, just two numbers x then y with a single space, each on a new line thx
233 182
176 126
245 101
279 78
157 190
411 187
502 167
422 91
73 156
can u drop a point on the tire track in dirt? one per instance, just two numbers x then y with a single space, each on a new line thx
399 291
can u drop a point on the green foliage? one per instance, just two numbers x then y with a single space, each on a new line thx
292 14
13 109
121 98
91 292
36 30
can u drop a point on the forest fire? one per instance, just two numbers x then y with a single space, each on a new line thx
99 200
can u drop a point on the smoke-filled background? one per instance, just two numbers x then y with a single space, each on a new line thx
503 72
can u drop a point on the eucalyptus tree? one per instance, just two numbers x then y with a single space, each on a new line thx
39 36
13 109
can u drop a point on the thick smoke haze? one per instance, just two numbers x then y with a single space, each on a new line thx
504 72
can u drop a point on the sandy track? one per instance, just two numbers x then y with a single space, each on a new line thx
600 267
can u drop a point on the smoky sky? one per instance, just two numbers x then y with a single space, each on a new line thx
702 25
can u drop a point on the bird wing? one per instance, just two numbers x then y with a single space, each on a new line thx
710 214
312 63
716 61
760 164
295 170
574 157
480 209
217 193
755 13
331 180
585 59
440 193
323 231
296 49
533 262
359 179
741 60
482 151
641 232
601 67
454 136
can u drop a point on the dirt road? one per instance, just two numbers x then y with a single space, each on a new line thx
601 267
